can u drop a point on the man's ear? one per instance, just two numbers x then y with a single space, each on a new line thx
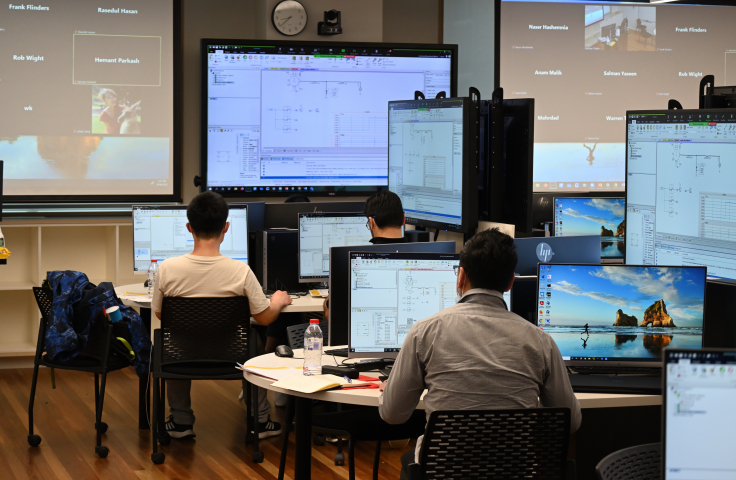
403 220
189 228
227 227
511 284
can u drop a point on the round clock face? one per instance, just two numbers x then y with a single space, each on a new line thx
289 17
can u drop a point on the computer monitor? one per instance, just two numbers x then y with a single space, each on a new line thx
320 231
390 292
339 312
286 215
285 117
620 315
593 216
433 161
530 251
609 31
680 192
698 418
160 232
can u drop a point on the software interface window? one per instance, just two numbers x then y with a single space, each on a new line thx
426 159
699 405
161 232
389 295
681 199
317 233
309 116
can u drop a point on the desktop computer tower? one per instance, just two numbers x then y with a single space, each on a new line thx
276 260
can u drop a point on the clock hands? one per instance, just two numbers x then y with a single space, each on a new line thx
282 23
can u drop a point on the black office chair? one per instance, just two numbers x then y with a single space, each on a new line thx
95 358
642 462
357 424
201 339
499 444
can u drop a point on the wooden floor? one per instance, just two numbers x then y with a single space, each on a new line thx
64 418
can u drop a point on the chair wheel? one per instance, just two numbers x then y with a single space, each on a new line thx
339 459
164 438
102 451
257 457
319 440
102 427
34 440
250 438
158 458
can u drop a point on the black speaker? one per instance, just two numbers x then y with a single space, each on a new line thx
542 209
276 260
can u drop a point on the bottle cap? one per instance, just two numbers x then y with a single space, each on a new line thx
313 321
154 261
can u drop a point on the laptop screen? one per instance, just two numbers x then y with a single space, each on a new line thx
320 231
699 418
593 216
621 313
390 292
160 232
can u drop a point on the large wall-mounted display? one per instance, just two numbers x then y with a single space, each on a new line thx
87 100
586 64
283 117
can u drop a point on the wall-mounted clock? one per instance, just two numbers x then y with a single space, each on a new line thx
289 17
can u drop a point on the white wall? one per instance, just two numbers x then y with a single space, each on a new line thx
469 24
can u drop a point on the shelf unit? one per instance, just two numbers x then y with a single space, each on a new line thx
100 247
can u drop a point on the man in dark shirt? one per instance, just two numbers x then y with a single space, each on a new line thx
385 218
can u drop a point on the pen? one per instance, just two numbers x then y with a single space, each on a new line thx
349 380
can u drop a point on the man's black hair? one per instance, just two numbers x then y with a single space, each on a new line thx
207 214
385 208
489 260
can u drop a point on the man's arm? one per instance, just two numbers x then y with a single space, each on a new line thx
405 386
557 391
279 300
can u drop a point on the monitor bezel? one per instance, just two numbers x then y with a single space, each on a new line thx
324 278
338 190
622 363
471 146
665 390
618 257
240 206
390 255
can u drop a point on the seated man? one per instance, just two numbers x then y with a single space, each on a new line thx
206 273
385 217
476 354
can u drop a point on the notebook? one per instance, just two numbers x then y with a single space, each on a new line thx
316 383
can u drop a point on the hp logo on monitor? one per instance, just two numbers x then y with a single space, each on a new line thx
544 252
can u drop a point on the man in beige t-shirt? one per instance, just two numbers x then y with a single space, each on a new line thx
206 273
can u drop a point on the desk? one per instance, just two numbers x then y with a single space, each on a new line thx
303 304
303 440
299 305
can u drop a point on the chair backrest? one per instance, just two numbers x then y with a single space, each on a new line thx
642 462
43 300
498 444
295 333
205 329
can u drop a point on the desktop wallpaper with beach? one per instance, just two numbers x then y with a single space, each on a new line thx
621 311
593 216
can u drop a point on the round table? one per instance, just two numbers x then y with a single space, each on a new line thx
303 435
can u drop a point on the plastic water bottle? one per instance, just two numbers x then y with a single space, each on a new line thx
152 272
313 348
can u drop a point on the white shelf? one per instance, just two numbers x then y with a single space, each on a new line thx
101 248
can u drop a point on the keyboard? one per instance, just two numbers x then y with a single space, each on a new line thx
337 352
605 370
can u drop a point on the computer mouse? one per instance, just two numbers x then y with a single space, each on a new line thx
284 351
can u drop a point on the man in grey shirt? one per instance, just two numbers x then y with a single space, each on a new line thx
476 354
